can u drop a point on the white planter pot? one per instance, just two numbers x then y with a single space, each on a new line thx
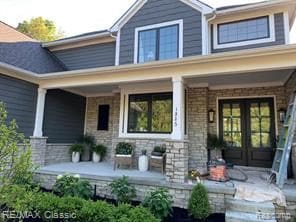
96 157
75 157
143 163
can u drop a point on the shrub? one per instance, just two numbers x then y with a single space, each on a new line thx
124 148
68 185
16 166
199 206
98 211
100 150
76 148
123 190
127 213
159 202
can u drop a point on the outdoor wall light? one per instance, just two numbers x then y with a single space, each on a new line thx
282 114
211 115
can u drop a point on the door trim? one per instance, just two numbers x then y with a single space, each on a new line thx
247 97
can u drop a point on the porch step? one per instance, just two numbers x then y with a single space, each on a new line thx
247 211
249 207
236 216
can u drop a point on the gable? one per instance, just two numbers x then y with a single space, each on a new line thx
195 4
162 11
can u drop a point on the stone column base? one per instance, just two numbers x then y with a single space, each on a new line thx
38 146
176 161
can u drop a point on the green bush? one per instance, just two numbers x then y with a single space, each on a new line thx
123 190
159 202
15 161
20 199
124 148
68 185
98 211
100 149
199 206
160 149
76 148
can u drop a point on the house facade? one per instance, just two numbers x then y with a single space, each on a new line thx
167 72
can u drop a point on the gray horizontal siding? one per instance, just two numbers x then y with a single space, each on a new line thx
158 11
92 56
279 36
20 99
63 116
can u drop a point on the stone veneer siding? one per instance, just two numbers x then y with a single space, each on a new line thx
197 127
180 192
291 85
57 153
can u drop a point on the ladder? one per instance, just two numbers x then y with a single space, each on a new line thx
283 152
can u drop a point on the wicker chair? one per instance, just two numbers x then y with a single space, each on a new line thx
125 160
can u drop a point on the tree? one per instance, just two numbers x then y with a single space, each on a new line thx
40 29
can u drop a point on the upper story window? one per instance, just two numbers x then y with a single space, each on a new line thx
159 42
244 32
251 29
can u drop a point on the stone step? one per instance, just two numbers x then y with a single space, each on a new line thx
236 216
249 207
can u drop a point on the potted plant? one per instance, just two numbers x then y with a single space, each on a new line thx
99 152
215 144
159 150
88 142
143 161
123 154
76 150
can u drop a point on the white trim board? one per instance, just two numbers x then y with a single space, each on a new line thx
197 5
155 26
271 38
248 97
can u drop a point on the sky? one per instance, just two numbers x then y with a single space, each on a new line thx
79 16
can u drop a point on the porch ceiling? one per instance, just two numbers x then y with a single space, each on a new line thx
243 80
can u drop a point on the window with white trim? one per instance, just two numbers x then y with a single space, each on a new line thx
150 113
158 44
245 30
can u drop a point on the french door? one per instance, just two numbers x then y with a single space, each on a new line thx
248 128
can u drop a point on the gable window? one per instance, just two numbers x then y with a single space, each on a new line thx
150 113
244 32
159 42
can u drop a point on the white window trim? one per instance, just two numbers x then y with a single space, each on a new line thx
216 45
159 25
123 119
287 28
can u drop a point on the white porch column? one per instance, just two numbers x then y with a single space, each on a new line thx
178 109
39 113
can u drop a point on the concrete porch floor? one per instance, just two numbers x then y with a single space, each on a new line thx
102 169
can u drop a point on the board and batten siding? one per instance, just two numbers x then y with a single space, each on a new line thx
20 98
63 116
279 36
91 56
159 11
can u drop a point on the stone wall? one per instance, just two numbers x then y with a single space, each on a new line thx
278 92
57 153
197 127
102 136
180 192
